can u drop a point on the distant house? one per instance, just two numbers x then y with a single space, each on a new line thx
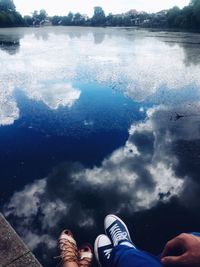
45 22
38 23
136 21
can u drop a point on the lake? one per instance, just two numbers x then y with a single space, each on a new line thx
96 121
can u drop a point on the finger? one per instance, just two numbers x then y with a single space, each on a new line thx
171 246
174 260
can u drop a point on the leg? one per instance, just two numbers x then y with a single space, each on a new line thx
195 233
124 256
116 249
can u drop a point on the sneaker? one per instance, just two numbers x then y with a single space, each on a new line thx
117 231
102 249
85 255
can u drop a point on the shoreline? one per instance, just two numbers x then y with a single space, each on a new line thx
153 29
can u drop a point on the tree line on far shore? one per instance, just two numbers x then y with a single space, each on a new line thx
186 18
9 17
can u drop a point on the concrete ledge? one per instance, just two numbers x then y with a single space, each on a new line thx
13 251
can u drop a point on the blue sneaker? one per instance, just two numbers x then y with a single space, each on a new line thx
117 231
102 249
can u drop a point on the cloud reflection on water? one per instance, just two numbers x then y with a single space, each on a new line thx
9 111
158 163
51 94
55 94
133 62
147 171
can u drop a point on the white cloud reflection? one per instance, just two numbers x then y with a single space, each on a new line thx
55 94
50 61
9 111
140 175
52 94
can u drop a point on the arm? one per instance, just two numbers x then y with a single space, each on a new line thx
183 250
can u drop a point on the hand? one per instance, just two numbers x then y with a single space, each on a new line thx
183 250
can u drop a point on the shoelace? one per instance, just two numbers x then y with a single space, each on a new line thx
117 235
69 252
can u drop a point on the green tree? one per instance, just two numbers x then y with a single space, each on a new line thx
99 17
196 11
67 20
194 2
39 17
70 18
172 15
109 19
7 6
28 20
35 15
79 19
8 15
42 15
188 17
56 20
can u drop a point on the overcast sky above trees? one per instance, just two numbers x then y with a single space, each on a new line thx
61 7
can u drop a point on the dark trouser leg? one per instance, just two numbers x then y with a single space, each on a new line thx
123 256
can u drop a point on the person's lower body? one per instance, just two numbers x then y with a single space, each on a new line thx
116 249
124 256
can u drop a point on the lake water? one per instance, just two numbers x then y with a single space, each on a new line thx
96 121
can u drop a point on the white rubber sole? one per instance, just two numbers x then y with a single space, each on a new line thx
96 249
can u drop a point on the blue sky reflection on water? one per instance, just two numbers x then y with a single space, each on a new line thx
96 121
96 125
